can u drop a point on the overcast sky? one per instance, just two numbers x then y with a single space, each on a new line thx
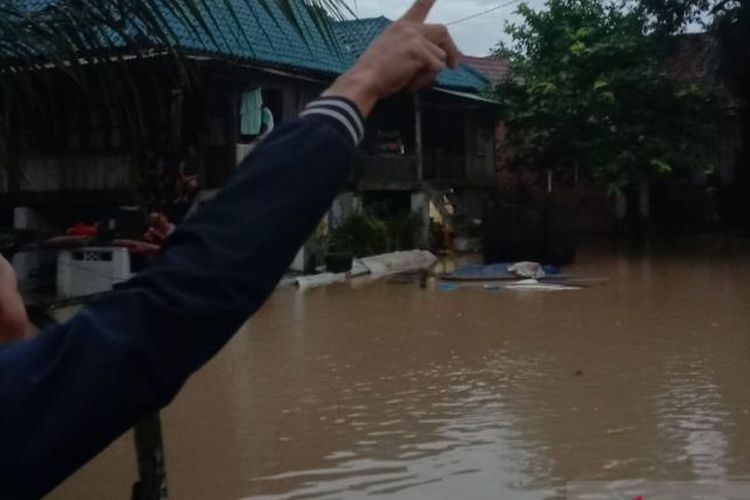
474 37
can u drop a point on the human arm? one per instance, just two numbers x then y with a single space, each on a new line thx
69 392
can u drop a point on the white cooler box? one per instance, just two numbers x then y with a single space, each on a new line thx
91 270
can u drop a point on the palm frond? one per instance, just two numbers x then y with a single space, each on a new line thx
89 40
49 31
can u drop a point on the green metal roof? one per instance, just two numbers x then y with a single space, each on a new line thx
355 36
269 38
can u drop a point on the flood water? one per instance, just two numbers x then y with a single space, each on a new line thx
391 391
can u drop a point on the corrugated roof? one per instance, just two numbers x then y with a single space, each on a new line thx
493 68
355 36
268 37
466 95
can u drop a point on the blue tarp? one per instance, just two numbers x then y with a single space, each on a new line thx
492 272
478 271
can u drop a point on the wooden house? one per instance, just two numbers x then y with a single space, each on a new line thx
80 161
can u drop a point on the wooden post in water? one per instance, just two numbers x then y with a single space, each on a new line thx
149 447
152 473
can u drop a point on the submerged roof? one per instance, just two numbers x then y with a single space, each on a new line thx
355 36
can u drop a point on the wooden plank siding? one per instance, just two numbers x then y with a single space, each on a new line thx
76 173
386 172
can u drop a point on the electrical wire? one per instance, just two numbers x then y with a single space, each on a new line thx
478 14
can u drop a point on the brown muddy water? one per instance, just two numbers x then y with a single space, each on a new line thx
389 391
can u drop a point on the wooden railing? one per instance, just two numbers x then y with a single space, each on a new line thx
386 171
444 167
393 171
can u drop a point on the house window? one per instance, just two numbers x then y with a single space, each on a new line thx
268 114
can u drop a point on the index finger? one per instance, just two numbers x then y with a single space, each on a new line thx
439 35
418 12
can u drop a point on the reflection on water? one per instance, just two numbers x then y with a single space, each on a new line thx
391 391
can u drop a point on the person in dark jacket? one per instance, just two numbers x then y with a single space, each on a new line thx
72 390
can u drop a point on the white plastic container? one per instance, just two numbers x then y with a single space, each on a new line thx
90 270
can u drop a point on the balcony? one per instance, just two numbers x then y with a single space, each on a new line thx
386 172
439 167
396 172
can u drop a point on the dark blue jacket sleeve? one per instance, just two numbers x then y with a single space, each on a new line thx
71 391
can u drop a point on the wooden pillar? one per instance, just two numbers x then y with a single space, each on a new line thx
621 207
289 104
176 103
470 129
149 446
233 126
418 109
644 200
152 474
420 205
420 200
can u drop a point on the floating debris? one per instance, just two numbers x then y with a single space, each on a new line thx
532 270
537 285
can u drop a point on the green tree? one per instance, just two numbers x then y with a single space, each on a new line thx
587 89
729 22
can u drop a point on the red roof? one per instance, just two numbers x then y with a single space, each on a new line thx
495 69
695 59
